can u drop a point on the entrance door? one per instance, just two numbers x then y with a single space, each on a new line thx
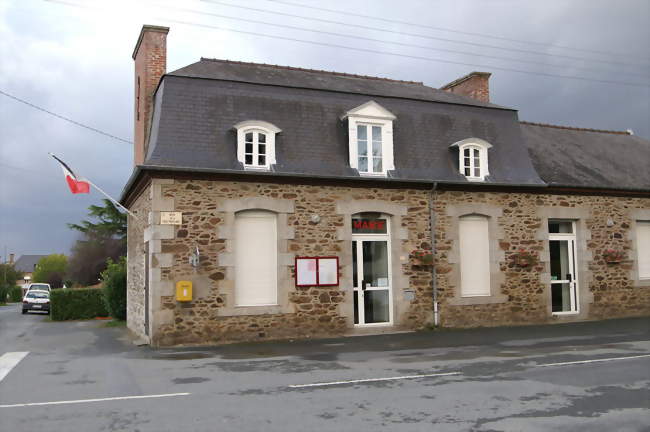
371 273
564 281
146 288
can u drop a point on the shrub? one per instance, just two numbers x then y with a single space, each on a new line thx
4 292
70 304
114 278
15 294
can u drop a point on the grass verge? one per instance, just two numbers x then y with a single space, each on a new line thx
115 323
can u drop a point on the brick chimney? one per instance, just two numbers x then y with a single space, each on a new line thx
475 85
150 56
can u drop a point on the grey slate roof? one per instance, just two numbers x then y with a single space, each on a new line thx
193 123
588 158
26 263
285 76
197 106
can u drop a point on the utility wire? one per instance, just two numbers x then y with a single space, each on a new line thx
368 50
446 29
382 41
420 35
64 118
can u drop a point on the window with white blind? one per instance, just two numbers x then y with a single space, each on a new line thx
474 244
643 248
256 258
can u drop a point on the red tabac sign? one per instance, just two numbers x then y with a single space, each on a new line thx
368 226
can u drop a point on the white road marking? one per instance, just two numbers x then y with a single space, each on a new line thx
333 383
592 361
9 360
94 400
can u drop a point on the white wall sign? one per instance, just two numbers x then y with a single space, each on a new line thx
171 218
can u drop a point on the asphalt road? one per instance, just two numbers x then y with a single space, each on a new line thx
83 377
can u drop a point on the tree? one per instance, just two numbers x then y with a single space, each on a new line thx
89 255
51 269
101 240
9 275
112 222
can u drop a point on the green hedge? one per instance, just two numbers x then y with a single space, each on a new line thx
71 304
114 278
4 292
15 294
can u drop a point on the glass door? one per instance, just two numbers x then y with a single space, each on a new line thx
564 281
371 279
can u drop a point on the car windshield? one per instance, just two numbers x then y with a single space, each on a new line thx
39 287
38 295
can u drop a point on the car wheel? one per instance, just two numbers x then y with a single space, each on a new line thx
24 311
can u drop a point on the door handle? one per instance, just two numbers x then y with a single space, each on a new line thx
568 276
363 285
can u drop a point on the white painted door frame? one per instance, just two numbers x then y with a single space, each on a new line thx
359 239
570 238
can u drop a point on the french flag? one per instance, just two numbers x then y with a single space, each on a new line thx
76 184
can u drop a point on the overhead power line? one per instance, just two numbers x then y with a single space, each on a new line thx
64 118
420 35
369 50
374 51
447 29
291 27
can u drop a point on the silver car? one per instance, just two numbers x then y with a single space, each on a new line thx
36 300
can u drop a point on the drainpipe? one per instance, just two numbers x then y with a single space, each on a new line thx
432 227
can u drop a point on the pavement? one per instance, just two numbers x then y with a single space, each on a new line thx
81 376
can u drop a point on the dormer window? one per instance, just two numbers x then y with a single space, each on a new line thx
370 131
256 144
473 158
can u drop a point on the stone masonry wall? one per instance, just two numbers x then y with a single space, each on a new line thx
313 311
135 264
607 290
518 221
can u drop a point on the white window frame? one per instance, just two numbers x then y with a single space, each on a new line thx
371 114
473 144
256 127
641 225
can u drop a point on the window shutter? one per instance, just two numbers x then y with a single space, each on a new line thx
643 248
256 258
474 243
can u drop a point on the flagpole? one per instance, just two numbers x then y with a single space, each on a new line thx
110 198
77 178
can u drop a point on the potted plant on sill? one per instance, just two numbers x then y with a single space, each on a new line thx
423 258
613 256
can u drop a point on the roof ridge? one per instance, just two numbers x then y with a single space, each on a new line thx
312 70
576 128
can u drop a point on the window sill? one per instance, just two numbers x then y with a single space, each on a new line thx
478 300
253 168
475 179
365 174
254 310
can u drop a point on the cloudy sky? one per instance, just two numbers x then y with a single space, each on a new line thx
73 57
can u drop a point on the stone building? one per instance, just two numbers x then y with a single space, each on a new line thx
424 206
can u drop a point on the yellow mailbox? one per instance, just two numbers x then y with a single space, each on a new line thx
183 291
